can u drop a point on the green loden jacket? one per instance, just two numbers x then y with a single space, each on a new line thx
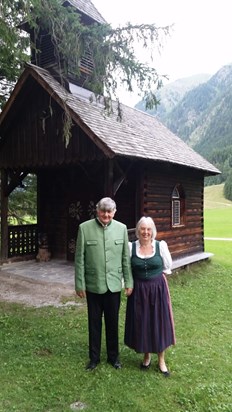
102 258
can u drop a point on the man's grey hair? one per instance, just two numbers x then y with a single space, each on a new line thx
106 203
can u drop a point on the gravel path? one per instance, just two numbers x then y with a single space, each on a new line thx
38 285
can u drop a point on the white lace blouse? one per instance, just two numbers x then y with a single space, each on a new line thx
164 253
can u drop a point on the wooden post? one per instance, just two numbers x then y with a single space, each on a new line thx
4 214
109 178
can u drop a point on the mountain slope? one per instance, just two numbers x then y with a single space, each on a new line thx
171 94
203 119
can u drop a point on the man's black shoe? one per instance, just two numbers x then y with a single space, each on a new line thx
117 364
91 366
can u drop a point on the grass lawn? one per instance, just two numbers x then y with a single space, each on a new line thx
217 213
218 222
214 197
44 351
222 251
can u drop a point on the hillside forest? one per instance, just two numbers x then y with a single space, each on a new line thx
199 110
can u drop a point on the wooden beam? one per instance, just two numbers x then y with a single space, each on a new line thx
4 214
109 178
16 179
120 180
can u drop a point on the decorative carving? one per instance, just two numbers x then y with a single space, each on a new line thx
75 210
72 246
91 209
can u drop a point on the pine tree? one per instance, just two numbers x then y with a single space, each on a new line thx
113 51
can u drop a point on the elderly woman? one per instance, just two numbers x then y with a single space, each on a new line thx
149 324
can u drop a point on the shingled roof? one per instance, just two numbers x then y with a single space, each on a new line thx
87 8
137 135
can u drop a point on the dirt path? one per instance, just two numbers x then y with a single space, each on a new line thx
31 292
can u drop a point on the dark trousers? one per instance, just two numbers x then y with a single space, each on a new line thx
106 304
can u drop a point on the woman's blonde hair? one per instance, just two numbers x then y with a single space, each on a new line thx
148 221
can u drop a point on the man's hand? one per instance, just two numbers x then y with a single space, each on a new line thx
128 291
81 294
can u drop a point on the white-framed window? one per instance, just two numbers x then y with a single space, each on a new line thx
178 206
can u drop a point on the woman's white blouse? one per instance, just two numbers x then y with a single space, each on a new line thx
164 253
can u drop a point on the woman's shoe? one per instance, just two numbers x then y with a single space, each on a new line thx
145 367
166 373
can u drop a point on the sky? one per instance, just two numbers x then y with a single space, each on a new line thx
199 41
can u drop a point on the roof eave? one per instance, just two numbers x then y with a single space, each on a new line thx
28 71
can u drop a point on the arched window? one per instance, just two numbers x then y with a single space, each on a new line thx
178 206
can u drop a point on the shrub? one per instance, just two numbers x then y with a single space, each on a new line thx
228 187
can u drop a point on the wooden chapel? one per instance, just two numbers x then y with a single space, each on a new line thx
137 161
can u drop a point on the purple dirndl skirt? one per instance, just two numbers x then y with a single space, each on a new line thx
149 323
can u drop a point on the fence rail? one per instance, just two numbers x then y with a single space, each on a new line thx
22 240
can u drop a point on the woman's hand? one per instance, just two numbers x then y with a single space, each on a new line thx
128 291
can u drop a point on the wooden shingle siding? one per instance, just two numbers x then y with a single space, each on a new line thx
88 9
137 135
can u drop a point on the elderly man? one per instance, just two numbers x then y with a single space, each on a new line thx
102 263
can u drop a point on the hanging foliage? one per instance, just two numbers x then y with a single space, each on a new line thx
13 47
113 51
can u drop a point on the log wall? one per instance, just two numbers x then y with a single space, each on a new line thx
185 239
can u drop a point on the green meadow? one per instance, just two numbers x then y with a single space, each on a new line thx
44 350
218 224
